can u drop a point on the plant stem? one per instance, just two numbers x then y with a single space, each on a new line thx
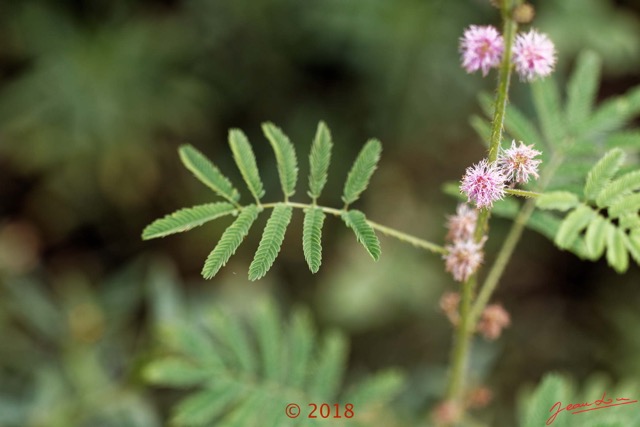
404 237
522 193
461 346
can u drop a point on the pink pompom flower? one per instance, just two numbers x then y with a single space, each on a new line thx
494 319
483 183
463 258
518 162
481 48
534 55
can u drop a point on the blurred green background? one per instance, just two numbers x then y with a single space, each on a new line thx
95 98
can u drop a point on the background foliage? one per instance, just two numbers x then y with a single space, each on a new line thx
97 96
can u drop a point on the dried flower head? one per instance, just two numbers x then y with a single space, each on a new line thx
483 183
481 48
494 319
518 162
462 225
463 258
534 55
449 303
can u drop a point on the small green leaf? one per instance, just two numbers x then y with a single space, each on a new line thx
595 237
629 221
319 160
582 88
625 206
572 225
229 242
203 407
600 175
617 255
174 372
558 200
633 244
312 238
482 128
619 187
546 98
269 333
365 234
361 171
271 241
246 161
301 342
186 219
328 373
208 173
285 157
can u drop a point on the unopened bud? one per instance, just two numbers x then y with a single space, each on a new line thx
524 13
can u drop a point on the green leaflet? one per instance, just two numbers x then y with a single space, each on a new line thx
271 241
617 255
361 171
602 172
595 237
229 242
628 205
208 173
246 161
365 234
319 160
301 341
285 157
572 225
186 219
582 88
330 367
203 407
534 410
268 327
312 237
175 372
482 128
619 187
558 200
612 114
633 244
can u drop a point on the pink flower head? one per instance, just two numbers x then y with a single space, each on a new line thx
462 225
463 258
481 48
534 55
483 183
494 319
518 162
449 303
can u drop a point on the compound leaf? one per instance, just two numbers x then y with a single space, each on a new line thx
602 172
582 88
361 171
319 160
230 240
572 225
365 234
285 157
312 237
246 161
186 219
271 241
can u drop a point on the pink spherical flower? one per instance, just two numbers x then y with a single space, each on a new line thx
463 259
518 162
483 183
481 48
494 319
462 225
534 55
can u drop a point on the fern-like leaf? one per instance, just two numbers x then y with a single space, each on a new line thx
330 367
229 242
246 161
619 187
319 160
271 241
582 88
595 237
625 206
312 237
546 98
186 219
602 172
285 158
208 173
365 234
361 171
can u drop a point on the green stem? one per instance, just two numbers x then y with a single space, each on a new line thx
522 193
461 346
391 232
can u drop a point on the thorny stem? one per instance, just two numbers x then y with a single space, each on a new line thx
465 328
391 232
